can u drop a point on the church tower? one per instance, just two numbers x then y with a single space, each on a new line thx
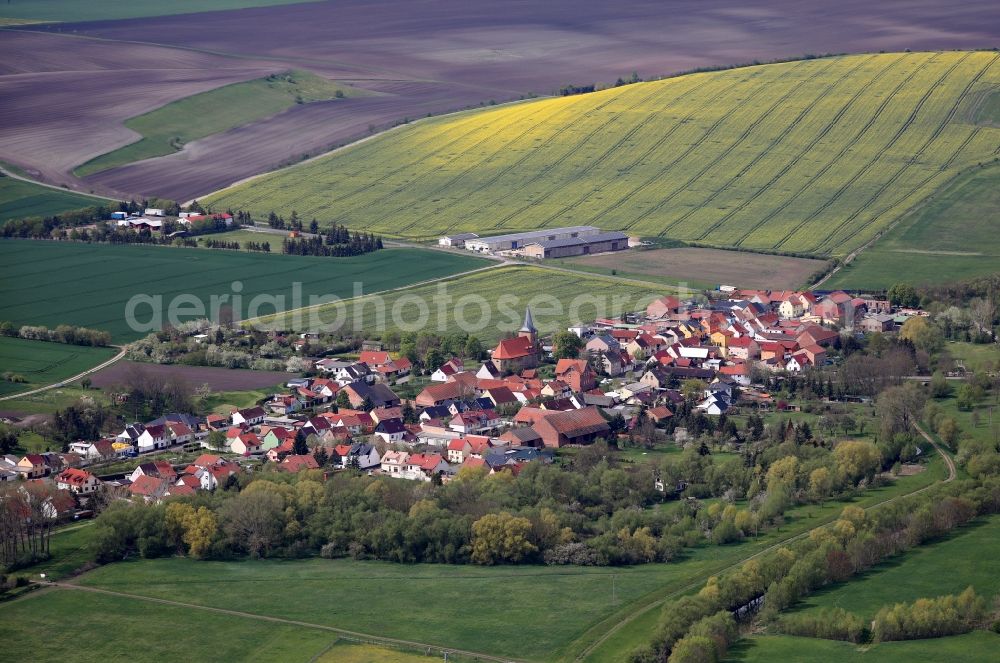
528 330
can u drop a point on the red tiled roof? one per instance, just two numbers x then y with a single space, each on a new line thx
514 348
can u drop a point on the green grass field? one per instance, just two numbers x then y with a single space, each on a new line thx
557 299
525 608
51 283
168 128
971 556
119 628
953 236
977 646
813 157
20 199
101 10
42 363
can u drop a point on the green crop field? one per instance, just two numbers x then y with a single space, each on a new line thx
811 157
955 235
486 304
41 363
118 628
52 283
977 646
167 129
20 199
100 10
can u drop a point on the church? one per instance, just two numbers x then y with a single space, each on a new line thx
513 355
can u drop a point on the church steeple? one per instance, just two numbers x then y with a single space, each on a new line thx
528 330
529 323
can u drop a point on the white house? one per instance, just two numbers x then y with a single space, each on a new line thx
250 416
391 430
152 438
394 462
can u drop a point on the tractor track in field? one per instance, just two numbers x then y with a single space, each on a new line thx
805 150
911 118
731 149
843 150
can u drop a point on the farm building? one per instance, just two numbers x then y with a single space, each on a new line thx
577 246
457 241
516 241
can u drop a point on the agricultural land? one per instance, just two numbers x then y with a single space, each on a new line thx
52 283
953 236
706 267
813 157
168 129
502 293
46 11
39 363
418 59
20 199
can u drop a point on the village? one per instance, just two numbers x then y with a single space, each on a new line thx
501 414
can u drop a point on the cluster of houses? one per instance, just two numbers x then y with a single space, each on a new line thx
153 219
498 414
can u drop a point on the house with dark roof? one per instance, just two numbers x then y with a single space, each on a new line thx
378 394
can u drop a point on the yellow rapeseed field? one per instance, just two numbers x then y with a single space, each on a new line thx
815 156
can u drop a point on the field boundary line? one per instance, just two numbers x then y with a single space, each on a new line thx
281 620
15 176
62 383
586 652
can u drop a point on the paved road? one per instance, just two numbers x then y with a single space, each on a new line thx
63 383
365 637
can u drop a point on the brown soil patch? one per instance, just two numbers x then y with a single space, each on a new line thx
711 266
66 97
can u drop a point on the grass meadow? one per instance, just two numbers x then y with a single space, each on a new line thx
813 157
520 612
970 556
167 129
41 362
59 624
976 646
52 283
953 236
20 199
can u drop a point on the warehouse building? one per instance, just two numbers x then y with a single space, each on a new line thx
457 241
517 241
577 246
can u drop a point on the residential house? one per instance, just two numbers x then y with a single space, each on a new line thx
149 488
394 463
33 466
250 416
294 463
576 373
153 438
379 395
77 481
391 430
447 369
422 467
